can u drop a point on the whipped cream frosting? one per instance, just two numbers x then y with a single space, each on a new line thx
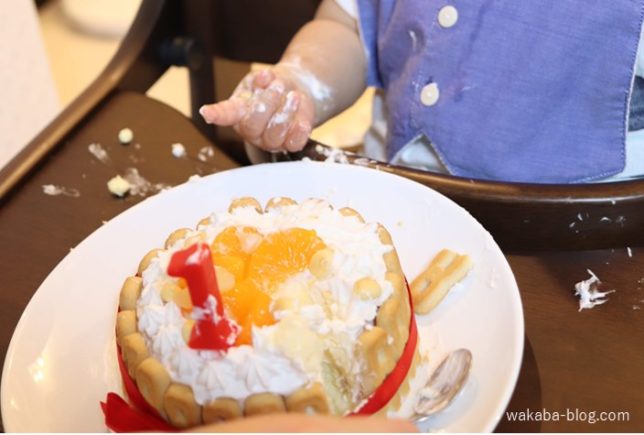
323 319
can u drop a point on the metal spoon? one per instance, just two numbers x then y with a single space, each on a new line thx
444 384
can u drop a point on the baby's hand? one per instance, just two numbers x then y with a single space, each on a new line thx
267 110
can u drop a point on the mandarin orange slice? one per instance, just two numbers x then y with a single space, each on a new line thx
282 254
249 306
236 241
260 263
233 264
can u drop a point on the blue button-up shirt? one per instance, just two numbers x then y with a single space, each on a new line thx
513 89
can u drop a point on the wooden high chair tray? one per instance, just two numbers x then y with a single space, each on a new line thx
524 216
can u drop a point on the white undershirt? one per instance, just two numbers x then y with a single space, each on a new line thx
420 154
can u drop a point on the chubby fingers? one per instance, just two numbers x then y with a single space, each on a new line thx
225 113
301 126
232 111
280 123
290 126
262 79
266 111
264 104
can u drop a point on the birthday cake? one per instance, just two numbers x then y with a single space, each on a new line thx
292 307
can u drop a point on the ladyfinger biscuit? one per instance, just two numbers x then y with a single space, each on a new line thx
263 403
372 345
391 258
134 351
145 262
153 381
199 237
348 211
431 286
175 236
399 286
222 409
180 406
130 292
308 399
125 324
279 201
203 222
388 318
403 310
246 201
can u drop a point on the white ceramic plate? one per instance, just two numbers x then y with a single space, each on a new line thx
61 361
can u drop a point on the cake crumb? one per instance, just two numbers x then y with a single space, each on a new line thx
118 186
363 161
99 152
205 153
140 186
178 150
53 190
620 220
589 295
333 155
126 136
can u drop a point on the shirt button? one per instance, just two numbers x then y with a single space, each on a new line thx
429 94
447 16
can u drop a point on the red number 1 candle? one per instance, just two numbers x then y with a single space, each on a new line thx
212 330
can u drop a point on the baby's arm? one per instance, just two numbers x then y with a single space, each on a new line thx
321 73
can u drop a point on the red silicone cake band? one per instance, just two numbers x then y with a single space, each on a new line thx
122 417
140 416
